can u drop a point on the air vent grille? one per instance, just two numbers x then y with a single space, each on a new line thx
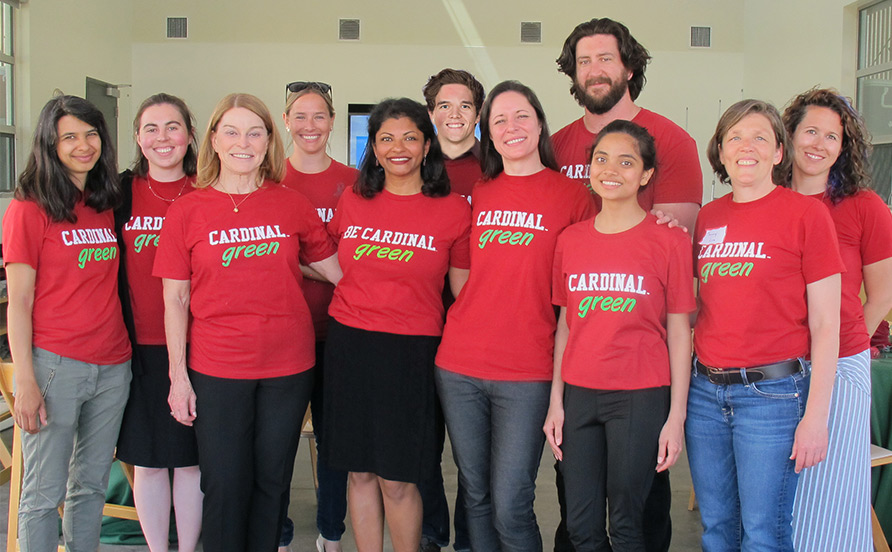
177 27
701 37
348 29
531 32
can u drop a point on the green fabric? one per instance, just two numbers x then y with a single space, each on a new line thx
114 530
881 435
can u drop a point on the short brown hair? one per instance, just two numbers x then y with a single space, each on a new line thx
273 166
734 115
452 76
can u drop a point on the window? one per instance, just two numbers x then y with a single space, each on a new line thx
875 88
7 122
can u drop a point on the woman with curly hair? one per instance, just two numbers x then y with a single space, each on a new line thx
830 163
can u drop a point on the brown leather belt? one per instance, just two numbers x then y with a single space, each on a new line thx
728 376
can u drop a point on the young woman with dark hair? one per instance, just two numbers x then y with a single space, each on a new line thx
400 232
66 334
151 440
496 360
622 348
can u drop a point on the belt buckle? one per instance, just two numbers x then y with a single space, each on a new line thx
716 375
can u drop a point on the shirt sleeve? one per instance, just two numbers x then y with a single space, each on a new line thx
679 178
819 244
460 253
558 286
24 228
173 259
315 243
876 230
680 283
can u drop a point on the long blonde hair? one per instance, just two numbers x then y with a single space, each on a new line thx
273 166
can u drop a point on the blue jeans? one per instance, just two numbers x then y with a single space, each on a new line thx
739 440
84 406
497 439
435 522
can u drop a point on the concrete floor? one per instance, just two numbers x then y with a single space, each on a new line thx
686 525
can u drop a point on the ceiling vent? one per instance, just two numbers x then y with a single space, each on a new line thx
348 29
176 27
701 37
531 32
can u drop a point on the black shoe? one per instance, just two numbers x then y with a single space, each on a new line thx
428 546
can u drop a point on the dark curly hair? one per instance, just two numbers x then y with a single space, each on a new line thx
851 171
435 181
734 115
45 179
634 56
492 159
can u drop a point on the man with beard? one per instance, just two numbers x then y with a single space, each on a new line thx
606 66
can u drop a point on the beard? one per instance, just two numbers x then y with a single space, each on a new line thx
603 104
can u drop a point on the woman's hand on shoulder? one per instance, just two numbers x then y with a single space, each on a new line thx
182 401
30 408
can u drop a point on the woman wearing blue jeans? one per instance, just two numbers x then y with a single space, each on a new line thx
768 266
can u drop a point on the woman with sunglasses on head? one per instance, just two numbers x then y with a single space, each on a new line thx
496 361
151 440
230 254
768 267
309 119
831 149
66 334
400 232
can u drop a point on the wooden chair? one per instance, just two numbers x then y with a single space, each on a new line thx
15 477
879 457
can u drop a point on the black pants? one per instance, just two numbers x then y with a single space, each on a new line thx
610 450
247 431
657 519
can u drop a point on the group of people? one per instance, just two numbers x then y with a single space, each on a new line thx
519 290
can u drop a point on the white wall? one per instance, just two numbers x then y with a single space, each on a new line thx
761 48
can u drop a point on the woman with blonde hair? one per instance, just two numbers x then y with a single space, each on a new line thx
230 254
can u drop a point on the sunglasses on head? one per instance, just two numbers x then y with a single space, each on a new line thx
297 86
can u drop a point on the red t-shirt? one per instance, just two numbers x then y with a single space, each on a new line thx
678 178
140 236
617 289
323 190
501 327
864 228
77 312
395 252
464 171
250 319
754 260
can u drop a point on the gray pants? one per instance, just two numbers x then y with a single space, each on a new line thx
69 458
